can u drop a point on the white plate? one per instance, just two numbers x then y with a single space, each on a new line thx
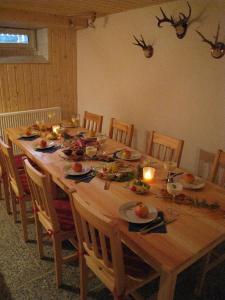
199 183
49 145
71 172
127 213
134 156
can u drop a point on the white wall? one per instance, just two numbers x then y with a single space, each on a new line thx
180 91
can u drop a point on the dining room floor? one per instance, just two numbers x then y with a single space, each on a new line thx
24 276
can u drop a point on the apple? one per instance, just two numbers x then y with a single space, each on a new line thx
141 211
28 132
77 167
188 178
126 154
43 143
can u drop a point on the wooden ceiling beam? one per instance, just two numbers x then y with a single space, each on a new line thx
24 19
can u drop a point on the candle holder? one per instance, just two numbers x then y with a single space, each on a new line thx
148 174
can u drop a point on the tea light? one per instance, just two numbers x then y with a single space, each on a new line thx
148 173
55 129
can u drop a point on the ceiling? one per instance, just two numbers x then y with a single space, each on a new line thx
77 7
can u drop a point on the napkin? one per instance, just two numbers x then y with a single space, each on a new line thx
49 150
28 138
82 178
161 229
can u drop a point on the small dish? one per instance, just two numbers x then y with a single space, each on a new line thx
198 184
133 156
48 146
127 213
71 172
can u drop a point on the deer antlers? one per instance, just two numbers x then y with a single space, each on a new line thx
217 48
180 25
148 49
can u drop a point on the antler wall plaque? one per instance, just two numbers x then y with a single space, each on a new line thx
217 48
147 49
180 26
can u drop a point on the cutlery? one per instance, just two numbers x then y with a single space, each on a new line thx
149 229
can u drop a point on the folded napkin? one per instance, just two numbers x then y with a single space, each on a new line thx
49 150
82 178
28 138
161 229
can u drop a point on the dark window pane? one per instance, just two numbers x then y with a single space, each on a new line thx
12 38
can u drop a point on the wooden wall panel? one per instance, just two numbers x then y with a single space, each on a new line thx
32 86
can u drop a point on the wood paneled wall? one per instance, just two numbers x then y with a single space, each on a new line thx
32 85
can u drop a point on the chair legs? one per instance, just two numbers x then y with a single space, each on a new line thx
14 206
22 206
57 246
83 278
6 193
39 235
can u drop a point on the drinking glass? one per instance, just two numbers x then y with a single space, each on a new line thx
169 166
75 119
91 151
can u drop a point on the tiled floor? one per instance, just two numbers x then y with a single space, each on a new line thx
24 276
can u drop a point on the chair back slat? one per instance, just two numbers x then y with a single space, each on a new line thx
92 121
99 237
218 169
164 147
121 131
41 196
11 169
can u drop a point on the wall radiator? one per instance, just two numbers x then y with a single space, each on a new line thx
27 118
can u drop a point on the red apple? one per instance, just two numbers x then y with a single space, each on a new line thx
77 167
28 132
141 210
43 143
188 178
126 154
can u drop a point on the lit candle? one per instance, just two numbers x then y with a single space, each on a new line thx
55 129
148 173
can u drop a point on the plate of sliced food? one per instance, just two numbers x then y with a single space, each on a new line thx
137 212
43 144
29 133
192 182
115 171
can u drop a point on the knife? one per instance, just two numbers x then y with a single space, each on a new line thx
149 229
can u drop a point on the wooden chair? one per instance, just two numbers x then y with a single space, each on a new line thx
102 251
55 216
92 121
164 147
215 257
19 190
121 131
4 182
205 164
218 169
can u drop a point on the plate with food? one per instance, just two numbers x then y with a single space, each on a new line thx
137 212
192 182
115 171
43 144
129 155
139 186
77 169
29 133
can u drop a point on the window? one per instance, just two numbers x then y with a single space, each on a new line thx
19 45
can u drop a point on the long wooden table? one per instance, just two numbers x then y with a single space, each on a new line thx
195 232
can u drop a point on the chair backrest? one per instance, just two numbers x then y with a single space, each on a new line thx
100 239
218 169
40 190
164 147
121 131
92 121
205 164
11 169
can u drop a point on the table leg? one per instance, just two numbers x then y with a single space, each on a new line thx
167 286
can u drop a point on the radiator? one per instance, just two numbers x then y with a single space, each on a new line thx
27 118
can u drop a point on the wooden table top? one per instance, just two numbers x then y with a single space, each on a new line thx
195 232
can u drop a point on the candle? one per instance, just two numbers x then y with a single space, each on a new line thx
148 173
55 129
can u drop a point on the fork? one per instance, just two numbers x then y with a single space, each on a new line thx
149 229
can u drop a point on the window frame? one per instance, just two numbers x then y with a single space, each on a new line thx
31 33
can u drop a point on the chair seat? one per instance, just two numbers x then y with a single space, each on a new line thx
24 182
64 214
19 161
